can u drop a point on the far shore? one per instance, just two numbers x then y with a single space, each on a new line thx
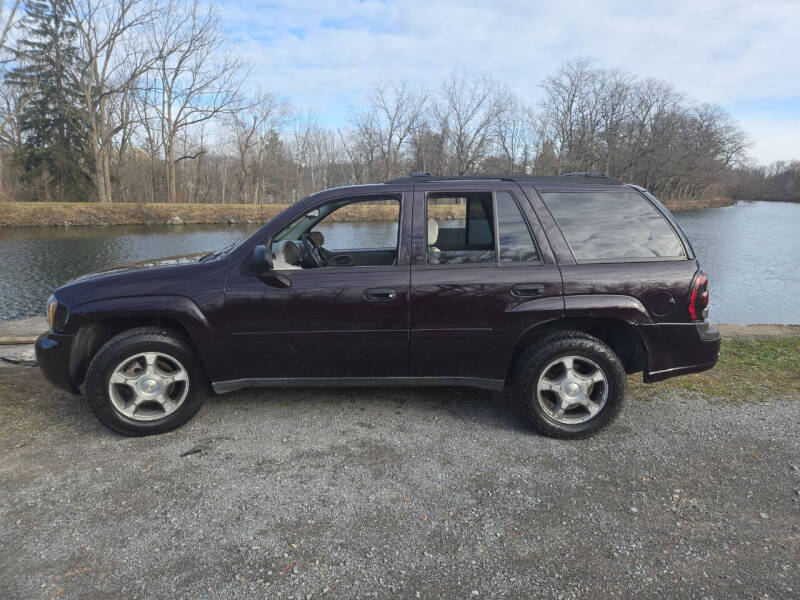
68 214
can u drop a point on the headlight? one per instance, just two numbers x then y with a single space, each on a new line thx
52 305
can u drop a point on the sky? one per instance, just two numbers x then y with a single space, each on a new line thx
325 55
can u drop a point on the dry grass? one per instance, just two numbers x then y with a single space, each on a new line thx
31 214
715 202
21 214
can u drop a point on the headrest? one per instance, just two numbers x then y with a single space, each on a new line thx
433 232
318 237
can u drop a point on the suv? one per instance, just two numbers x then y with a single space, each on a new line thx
550 288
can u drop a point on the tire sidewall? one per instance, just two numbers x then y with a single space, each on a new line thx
115 352
586 347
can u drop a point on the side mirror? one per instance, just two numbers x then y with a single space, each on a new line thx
260 260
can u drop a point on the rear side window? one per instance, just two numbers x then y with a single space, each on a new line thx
613 225
477 227
460 228
516 243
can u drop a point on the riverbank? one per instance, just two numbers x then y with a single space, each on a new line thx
67 214
715 202
60 214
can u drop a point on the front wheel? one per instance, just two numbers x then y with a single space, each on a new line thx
569 384
145 381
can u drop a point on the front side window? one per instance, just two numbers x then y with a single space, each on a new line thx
614 225
352 232
477 228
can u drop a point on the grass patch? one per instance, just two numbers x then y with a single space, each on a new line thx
749 369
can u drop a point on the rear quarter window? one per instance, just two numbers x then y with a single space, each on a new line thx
613 226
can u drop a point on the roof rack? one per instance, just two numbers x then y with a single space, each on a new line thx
586 178
584 174
417 178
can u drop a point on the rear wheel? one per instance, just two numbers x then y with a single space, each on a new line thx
145 381
569 384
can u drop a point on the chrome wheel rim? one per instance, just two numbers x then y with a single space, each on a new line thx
148 386
572 390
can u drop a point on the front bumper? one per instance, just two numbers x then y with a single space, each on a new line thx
679 348
53 352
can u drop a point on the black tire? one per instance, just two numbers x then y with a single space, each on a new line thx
533 360
125 345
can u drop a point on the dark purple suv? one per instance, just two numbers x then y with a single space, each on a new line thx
552 288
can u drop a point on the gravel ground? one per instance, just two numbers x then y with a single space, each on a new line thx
438 493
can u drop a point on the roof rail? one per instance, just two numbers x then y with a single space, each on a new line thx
424 176
584 174
585 178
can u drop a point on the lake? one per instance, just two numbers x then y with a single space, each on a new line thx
751 252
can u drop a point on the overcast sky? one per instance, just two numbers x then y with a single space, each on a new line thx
323 55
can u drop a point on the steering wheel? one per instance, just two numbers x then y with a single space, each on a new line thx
314 250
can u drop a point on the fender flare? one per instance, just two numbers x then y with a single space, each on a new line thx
584 311
171 307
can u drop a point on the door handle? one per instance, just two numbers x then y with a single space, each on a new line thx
528 289
380 294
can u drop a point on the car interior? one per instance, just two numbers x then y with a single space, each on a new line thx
301 246
466 235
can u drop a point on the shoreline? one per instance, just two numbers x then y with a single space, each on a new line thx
91 214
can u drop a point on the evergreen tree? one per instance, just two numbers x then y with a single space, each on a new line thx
53 118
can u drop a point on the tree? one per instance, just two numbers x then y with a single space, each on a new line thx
467 112
255 139
386 127
52 118
112 61
193 78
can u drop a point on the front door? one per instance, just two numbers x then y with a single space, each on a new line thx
482 274
336 304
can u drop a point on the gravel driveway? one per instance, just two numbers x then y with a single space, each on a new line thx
397 493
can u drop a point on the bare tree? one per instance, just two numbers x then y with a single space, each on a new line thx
466 113
515 136
255 135
193 78
385 127
112 60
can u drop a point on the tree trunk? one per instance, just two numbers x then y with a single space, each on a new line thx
99 176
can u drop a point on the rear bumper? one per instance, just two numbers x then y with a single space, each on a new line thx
679 348
53 354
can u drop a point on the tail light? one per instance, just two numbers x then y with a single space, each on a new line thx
698 299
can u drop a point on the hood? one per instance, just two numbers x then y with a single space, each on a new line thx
168 261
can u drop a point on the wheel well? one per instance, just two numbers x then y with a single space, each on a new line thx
620 336
91 337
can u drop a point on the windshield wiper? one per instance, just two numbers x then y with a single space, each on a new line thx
220 252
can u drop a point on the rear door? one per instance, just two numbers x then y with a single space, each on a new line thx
482 274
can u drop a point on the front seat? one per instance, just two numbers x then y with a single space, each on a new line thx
434 253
